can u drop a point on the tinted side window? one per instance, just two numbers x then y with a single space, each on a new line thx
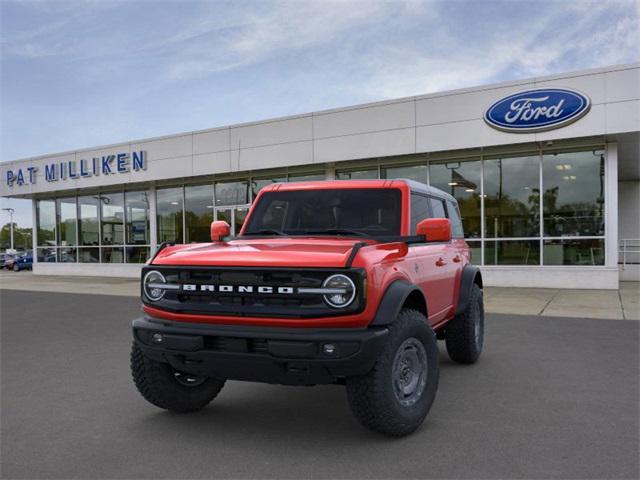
419 210
437 207
456 222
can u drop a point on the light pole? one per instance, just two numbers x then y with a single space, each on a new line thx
11 212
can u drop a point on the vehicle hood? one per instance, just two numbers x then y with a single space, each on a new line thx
265 252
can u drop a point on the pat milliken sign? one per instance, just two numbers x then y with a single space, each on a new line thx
537 110
105 165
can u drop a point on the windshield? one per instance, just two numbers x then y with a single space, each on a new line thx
357 212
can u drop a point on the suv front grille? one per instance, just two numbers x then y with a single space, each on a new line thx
276 303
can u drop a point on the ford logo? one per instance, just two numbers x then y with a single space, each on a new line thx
537 110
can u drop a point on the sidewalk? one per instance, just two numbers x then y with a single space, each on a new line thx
623 304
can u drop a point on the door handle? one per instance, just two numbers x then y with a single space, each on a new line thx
440 263
457 259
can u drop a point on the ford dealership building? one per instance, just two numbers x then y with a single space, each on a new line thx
545 170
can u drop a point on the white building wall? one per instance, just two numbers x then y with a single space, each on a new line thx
428 123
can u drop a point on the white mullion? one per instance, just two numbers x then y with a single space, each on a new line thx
482 219
541 206
184 216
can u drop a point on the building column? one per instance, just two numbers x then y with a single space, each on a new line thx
330 172
611 205
34 229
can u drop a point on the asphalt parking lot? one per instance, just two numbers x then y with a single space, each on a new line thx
550 398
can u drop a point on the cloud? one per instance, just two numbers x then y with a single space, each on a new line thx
524 47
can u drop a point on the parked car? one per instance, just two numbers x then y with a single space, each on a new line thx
8 260
344 282
23 262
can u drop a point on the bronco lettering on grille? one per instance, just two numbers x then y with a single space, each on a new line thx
191 287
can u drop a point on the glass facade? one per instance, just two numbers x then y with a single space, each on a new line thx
106 228
198 212
169 205
506 219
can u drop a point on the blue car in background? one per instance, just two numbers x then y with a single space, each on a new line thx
23 262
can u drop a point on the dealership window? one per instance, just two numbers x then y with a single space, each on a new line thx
367 174
512 252
512 197
112 227
67 224
88 223
46 222
411 172
574 251
573 198
112 218
46 230
258 184
88 229
462 181
198 212
67 213
169 207
307 177
232 193
137 232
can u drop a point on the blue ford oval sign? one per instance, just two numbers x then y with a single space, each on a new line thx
537 110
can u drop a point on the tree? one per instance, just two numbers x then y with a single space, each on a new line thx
21 237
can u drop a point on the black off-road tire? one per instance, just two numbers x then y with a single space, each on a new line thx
464 335
16 268
157 383
373 398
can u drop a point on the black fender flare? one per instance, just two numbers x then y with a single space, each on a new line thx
470 275
393 300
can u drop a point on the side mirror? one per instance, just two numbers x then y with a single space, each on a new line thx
435 229
219 230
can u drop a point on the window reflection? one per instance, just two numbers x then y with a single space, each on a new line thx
67 212
88 220
169 209
462 181
137 218
232 193
573 198
46 219
412 172
112 206
89 255
368 174
574 252
512 252
307 177
198 212
512 197
137 254
258 184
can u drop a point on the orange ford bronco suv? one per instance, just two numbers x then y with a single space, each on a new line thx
347 282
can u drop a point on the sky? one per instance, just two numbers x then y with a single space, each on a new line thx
87 73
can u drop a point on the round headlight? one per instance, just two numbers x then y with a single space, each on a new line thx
151 285
343 291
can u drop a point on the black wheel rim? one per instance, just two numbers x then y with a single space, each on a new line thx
409 373
188 379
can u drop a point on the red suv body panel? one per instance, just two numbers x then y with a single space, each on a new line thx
436 268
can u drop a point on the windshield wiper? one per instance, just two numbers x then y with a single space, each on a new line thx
266 231
336 231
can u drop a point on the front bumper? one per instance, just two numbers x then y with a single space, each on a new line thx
260 354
